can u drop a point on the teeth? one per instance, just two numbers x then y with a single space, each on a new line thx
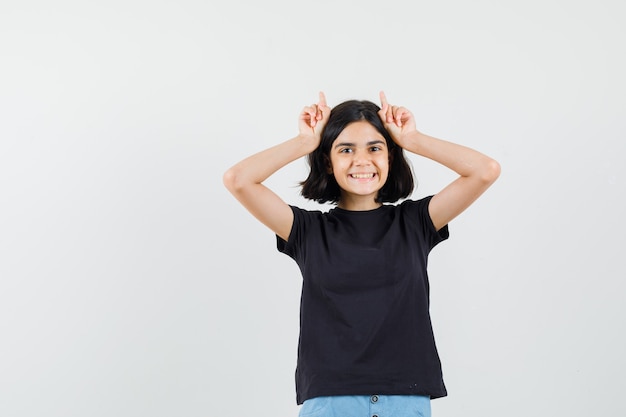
362 176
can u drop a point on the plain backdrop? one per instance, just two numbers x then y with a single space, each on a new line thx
133 284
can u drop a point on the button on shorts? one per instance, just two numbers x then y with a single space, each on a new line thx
367 406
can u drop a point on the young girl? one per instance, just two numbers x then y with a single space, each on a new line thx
366 344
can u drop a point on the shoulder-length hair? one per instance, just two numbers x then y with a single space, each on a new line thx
321 185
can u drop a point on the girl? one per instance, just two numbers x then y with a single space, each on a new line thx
366 343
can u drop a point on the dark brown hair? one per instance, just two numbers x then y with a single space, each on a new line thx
321 185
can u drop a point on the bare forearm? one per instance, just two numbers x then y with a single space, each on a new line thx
258 167
465 161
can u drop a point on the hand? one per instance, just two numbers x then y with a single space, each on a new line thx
313 118
398 121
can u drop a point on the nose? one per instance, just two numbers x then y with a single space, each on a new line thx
361 157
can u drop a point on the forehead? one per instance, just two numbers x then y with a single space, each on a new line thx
360 131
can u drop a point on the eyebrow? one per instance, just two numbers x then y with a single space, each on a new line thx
350 144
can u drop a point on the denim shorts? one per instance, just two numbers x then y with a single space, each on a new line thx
367 406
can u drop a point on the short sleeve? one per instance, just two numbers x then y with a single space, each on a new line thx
287 246
294 246
417 211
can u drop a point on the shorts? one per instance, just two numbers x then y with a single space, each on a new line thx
367 406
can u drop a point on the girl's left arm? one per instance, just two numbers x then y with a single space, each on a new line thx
476 171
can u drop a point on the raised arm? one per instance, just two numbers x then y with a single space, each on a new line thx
476 170
244 179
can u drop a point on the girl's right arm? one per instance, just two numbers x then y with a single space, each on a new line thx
244 179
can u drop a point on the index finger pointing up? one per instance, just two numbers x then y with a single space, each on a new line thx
383 101
322 101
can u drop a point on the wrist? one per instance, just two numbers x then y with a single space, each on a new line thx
308 143
410 140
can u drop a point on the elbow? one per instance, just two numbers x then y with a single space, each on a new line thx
237 180
491 171
232 180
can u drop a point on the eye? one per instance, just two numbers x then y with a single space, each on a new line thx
345 150
375 148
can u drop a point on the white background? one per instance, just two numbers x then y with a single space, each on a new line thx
133 284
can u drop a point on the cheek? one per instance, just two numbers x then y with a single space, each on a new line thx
384 162
336 164
330 164
385 167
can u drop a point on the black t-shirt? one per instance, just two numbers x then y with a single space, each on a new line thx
364 315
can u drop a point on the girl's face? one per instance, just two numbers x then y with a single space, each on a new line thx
359 160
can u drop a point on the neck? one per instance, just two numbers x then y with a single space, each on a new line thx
358 204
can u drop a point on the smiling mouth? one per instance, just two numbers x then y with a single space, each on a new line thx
362 176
